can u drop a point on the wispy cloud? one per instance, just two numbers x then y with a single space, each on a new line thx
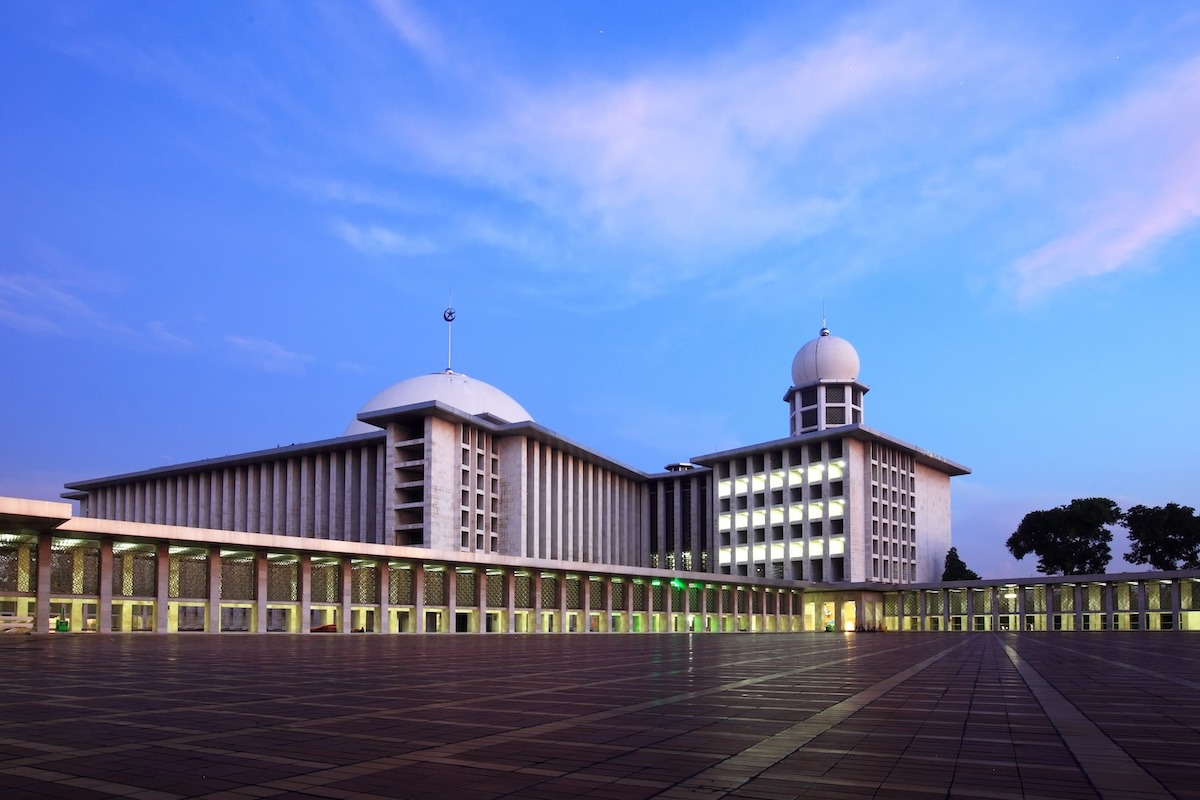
695 158
413 29
162 334
1129 180
379 240
266 355
48 296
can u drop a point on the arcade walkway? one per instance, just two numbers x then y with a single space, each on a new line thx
815 715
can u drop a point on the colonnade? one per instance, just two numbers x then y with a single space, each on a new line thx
110 585
1117 602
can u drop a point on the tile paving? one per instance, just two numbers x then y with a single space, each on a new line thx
612 717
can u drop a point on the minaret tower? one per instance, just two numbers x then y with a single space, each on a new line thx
825 390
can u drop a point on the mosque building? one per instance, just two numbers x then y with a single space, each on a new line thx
447 462
445 507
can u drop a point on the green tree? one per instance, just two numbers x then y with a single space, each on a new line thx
1165 537
1070 539
956 569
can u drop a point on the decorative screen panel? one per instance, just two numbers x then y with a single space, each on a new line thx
237 578
326 582
75 568
400 586
464 589
549 592
639 597
283 581
495 591
435 587
524 591
364 584
18 566
618 595
135 573
188 575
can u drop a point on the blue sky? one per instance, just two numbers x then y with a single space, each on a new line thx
223 227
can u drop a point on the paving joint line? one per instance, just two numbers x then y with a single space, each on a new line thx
1111 771
793 738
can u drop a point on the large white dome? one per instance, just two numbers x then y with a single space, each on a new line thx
825 358
449 388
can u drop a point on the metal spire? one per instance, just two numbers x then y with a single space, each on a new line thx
449 314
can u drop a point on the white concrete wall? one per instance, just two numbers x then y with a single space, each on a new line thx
933 523
858 510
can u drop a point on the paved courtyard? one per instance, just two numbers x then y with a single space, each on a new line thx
601 716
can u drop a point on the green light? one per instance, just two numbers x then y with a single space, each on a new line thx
678 583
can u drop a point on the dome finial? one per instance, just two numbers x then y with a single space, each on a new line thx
824 327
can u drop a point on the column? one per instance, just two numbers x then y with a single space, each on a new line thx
213 625
585 602
608 604
346 573
560 581
104 608
510 600
1143 614
418 578
481 587
260 591
1078 592
451 599
305 593
1176 606
384 623
1106 593
162 587
627 587
669 606
535 582
42 600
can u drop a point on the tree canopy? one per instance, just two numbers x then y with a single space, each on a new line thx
956 569
1165 537
1071 539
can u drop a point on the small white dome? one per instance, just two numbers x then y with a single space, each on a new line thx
825 358
449 388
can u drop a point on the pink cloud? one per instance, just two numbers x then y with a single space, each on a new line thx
1137 168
